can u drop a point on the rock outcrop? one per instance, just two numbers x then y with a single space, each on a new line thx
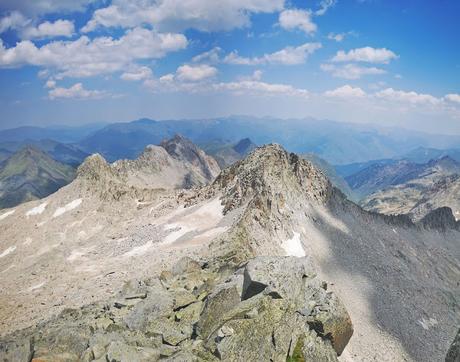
270 309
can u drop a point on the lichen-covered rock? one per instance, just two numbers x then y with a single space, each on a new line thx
269 309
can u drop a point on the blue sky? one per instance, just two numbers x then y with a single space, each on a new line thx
391 63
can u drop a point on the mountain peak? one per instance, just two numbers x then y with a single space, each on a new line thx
270 169
244 146
94 168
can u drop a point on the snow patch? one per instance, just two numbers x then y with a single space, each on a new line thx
293 247
37 210
6 214
70 206
200 219
8 251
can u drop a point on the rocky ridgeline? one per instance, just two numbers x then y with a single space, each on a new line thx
271 309
176 164
271 173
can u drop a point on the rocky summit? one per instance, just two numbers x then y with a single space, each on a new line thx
268 261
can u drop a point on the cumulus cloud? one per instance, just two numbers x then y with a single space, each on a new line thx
85 57
48 30
346 91
453 98
390 94
293 19
14 20
350 71
178 15
287 56
26 30
137 73
195 73
77 91
366 54
40 7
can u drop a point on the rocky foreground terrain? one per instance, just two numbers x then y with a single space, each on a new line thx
267 262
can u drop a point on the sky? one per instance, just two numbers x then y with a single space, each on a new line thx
390 63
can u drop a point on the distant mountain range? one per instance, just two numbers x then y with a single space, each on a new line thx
31 174
414 189
337 142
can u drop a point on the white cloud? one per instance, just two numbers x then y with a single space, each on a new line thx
287 56
324 6
453 98
366 54
211 56
350 71
137 73
39 7
76 91
297 19
84 57
253 87
346 91
195 73
390 94
178 15
14 20
48 30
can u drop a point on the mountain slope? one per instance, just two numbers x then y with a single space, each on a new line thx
425 154
380 176
61 152
398 280
228 153
417 197
329 170
31 174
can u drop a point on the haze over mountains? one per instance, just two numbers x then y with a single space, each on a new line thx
336 142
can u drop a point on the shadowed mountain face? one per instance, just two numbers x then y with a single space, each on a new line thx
31 174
